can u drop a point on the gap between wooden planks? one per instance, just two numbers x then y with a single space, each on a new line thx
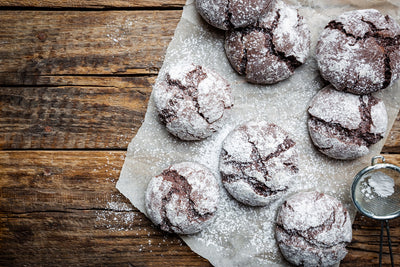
93 4
62 207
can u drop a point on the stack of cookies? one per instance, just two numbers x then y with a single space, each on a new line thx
359 54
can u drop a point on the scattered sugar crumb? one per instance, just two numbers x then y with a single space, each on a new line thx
117 216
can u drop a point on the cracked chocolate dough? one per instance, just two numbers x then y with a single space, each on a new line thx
313 229
227 14
343 125
183 199
359 52
270 50
191 101
258 162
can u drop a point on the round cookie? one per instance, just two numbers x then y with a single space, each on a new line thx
258 162
359 52
271 50
343 125
226 14
183 199
191 101
313 229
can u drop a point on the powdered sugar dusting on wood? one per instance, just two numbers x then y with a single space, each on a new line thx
116 216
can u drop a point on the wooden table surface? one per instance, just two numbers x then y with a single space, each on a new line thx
75 79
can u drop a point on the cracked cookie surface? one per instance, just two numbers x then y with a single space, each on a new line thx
227 14
191 101
183 199
359 52
270 50
258 162
313 229
343 125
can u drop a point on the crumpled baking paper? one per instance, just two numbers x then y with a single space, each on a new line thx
240 235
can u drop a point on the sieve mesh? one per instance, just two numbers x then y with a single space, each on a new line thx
378 198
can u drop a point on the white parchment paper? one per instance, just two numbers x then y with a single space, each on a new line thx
240 235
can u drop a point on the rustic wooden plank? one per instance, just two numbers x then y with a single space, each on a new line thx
93 4
35 43
89 238
34 181
392 144
61 207
99 113
392 158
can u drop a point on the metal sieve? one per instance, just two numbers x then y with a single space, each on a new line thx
376 194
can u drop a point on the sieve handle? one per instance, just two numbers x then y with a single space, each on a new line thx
374 160
390 243
381 244
385 223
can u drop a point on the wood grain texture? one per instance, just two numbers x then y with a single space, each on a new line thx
392 144
35 43
62 208
92 4
99 113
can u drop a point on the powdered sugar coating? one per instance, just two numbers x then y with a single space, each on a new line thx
192 100
379 118
291 34
258 162
271 50
359 52
312 229
344 125
183 199
226 14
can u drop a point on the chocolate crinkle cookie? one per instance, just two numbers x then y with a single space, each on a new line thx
258 162
313 229
191 101
183 199
270 50
343 125
359 52
227 14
